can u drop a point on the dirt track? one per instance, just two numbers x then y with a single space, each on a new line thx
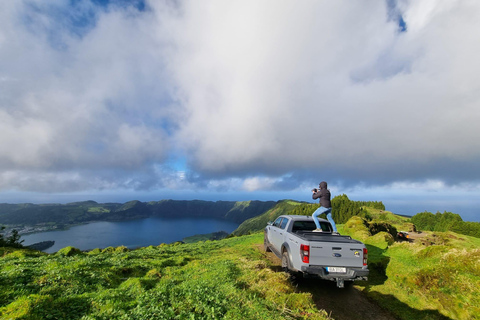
342 304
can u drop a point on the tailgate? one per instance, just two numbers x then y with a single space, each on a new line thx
336 254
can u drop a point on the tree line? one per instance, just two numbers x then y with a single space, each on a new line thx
446 221
342 208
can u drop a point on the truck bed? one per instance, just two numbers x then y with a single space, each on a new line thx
323 237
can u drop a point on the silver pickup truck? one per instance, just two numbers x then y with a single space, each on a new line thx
321 254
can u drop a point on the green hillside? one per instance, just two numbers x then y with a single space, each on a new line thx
227 279
435 277
259 222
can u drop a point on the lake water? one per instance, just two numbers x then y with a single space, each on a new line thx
132 234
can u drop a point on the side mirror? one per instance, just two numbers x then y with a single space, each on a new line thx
269 223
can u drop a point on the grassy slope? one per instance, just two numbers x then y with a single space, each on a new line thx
225 279
443 277
434 279
437 278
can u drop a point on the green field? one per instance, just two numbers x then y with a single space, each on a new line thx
435 277
227 279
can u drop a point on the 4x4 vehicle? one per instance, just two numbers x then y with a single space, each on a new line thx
320 254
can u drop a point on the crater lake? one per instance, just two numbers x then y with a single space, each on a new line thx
132 233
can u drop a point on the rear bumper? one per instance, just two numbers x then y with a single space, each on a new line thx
351 274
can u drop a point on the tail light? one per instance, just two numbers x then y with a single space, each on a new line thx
305 253
365 256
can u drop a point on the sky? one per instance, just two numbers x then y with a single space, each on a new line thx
241 100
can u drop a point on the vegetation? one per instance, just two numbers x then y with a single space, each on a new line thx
446 221
343 208
440 279
12 240
437 276
226 279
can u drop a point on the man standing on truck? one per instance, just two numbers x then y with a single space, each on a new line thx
325 206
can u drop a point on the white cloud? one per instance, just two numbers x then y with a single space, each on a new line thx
92 102
258 183
332 85
248 92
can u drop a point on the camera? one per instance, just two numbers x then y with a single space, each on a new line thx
314 190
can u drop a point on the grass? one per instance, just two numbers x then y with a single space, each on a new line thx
439 277
399 222
225 279
435 278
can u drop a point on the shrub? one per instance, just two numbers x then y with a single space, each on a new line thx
95 251
11 241
380 226
153 274
69 251
446 221
382 239
358 228
108 250
121 249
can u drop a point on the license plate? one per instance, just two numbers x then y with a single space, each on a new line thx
336 269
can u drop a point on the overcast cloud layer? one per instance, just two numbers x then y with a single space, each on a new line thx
239 95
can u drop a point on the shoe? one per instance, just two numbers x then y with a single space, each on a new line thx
318 230
335 233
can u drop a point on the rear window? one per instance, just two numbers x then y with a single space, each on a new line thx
309 226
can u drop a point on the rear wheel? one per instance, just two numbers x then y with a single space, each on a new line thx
285 262
295 277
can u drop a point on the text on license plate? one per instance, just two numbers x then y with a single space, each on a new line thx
337 269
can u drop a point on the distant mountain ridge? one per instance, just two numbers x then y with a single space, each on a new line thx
85 211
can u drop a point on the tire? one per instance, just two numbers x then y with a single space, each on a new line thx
265 244
285 262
